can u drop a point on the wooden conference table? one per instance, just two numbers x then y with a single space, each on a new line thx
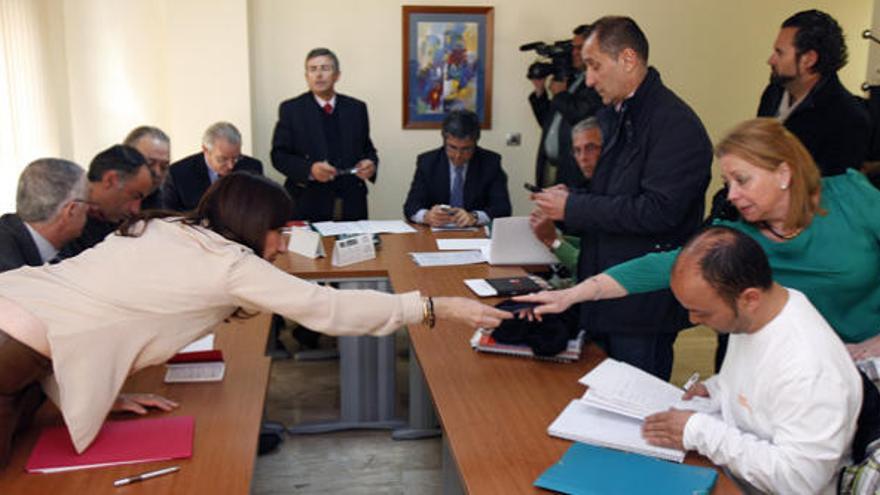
494 410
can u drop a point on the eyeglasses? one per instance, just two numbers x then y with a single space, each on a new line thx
228 160
311 69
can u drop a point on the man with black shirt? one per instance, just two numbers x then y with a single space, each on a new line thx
571 102
322 145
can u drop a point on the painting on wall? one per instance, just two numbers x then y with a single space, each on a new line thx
447 64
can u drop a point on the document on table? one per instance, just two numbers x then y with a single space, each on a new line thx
364 227
448 258
462 244
454 228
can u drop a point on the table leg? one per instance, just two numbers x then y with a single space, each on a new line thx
422 418
451 479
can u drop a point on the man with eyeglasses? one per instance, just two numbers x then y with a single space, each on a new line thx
458 184
50 211
155 145
322 145
189 178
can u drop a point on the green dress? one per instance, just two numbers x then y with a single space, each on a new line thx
835 261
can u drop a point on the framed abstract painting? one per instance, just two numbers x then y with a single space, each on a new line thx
447 64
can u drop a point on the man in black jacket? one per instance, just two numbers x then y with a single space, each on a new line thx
572 101
458 183
189 178
807 96
646 195
322 145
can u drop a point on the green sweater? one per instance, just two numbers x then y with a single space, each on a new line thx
835 261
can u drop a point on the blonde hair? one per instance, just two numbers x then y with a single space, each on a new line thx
766 143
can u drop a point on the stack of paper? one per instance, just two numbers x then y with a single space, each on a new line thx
364 227
611 412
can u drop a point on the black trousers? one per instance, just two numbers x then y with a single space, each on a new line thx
21 369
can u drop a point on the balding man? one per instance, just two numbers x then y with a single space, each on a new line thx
50 211
189 178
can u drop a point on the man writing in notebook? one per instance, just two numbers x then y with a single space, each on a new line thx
788 393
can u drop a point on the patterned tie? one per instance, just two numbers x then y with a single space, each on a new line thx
456 198
328 108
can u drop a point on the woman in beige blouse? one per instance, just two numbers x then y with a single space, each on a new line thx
77 329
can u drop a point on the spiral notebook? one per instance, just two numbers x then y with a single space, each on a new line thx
482 341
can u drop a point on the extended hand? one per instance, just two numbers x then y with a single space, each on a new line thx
323 172
551 301
469 312
666 429
551 202
543 227
138 403
365 169
864 350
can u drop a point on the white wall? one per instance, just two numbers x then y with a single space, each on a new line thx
712 53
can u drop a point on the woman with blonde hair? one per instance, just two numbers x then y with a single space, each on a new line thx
821 235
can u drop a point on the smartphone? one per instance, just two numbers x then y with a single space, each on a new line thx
447 209
532 188
515 306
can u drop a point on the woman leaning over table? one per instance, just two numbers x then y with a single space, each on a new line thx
81 326
822 236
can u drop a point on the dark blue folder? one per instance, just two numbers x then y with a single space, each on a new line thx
590 470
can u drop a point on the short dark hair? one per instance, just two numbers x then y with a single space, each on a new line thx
616 33
461 124
819 32
583 30
729 261
323 52
240 206
123 159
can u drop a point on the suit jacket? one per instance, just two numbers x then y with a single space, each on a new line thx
485 185
188 180
647 195
834 127
574 107
299 141
17 247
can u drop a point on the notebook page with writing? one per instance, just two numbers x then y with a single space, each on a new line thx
582 423
629 390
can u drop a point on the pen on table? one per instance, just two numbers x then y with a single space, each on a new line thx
691 381
146 476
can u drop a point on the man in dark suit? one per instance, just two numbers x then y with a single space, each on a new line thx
119 180
50 211
189 178
322 145
646 195
155 145
458 183
569 102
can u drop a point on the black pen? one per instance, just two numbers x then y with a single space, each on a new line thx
146 476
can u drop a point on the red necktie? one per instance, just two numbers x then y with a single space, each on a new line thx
328 108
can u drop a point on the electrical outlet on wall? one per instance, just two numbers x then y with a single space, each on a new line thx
514 139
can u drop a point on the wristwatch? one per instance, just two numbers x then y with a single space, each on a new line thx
556 244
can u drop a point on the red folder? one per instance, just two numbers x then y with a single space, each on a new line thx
118 442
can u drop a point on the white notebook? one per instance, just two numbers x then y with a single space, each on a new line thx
580 422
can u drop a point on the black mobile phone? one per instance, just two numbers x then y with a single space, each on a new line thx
515 306
532 188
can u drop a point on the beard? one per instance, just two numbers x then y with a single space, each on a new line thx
780 79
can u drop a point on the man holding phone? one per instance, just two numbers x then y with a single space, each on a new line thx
458 184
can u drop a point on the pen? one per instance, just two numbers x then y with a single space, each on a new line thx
146 476
691 381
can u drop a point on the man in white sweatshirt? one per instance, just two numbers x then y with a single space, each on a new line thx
787 396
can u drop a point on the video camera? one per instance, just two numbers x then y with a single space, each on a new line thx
556 60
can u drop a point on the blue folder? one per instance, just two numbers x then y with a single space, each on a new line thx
590 470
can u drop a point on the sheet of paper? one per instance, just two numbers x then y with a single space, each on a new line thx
338 228
448 258
462 244
205 343
626 389
386 227
454 228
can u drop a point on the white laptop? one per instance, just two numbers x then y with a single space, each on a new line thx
514 243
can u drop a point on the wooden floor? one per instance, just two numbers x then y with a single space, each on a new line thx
370 461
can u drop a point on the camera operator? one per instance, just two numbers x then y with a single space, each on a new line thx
571 102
